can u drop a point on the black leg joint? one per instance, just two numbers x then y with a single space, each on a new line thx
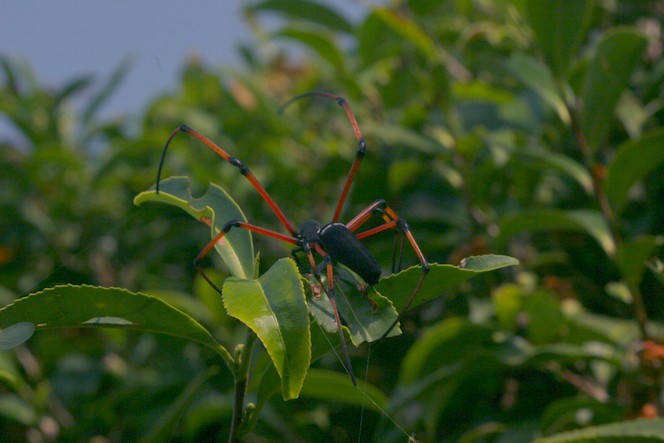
361 148
231 224
379 206
403 225
184 128
244 170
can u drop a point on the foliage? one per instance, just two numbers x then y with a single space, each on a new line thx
515 127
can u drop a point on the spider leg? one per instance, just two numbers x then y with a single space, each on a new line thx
331 295
392 221
244 170
361 143
224 230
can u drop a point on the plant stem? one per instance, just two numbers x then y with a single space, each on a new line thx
241 374
597 174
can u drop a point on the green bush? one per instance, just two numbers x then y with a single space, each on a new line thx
518 127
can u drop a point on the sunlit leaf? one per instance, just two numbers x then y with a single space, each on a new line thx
214 208
633 162
274 307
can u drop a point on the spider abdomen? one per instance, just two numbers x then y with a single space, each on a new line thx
342 245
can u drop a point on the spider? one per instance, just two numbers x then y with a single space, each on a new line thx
334 242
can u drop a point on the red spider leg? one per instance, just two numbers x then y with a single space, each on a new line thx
224 230
244 170
367 213
362 144
330 291
394 222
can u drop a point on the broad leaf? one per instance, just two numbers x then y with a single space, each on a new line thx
440 279
92 307
559 27
321 43
310 11
618 53
167 424
637 431
15 335
366 313
589 222
546 160
537 77
633 254
274 307
457 337
633 162
331 386
409 30
214 208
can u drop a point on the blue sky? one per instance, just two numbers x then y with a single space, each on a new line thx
62 39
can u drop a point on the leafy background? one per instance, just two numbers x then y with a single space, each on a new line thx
526 128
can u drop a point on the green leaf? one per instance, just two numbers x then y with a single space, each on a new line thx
401 136
320 43
366 314
440 279
551 160
633 254
310 11
559 27
18 409
214 208
633 162
274 307
544 317
570 412
539 78
637 431
331 386
16 334
93 307
408 30
443 346
589 222
618 54
167 424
